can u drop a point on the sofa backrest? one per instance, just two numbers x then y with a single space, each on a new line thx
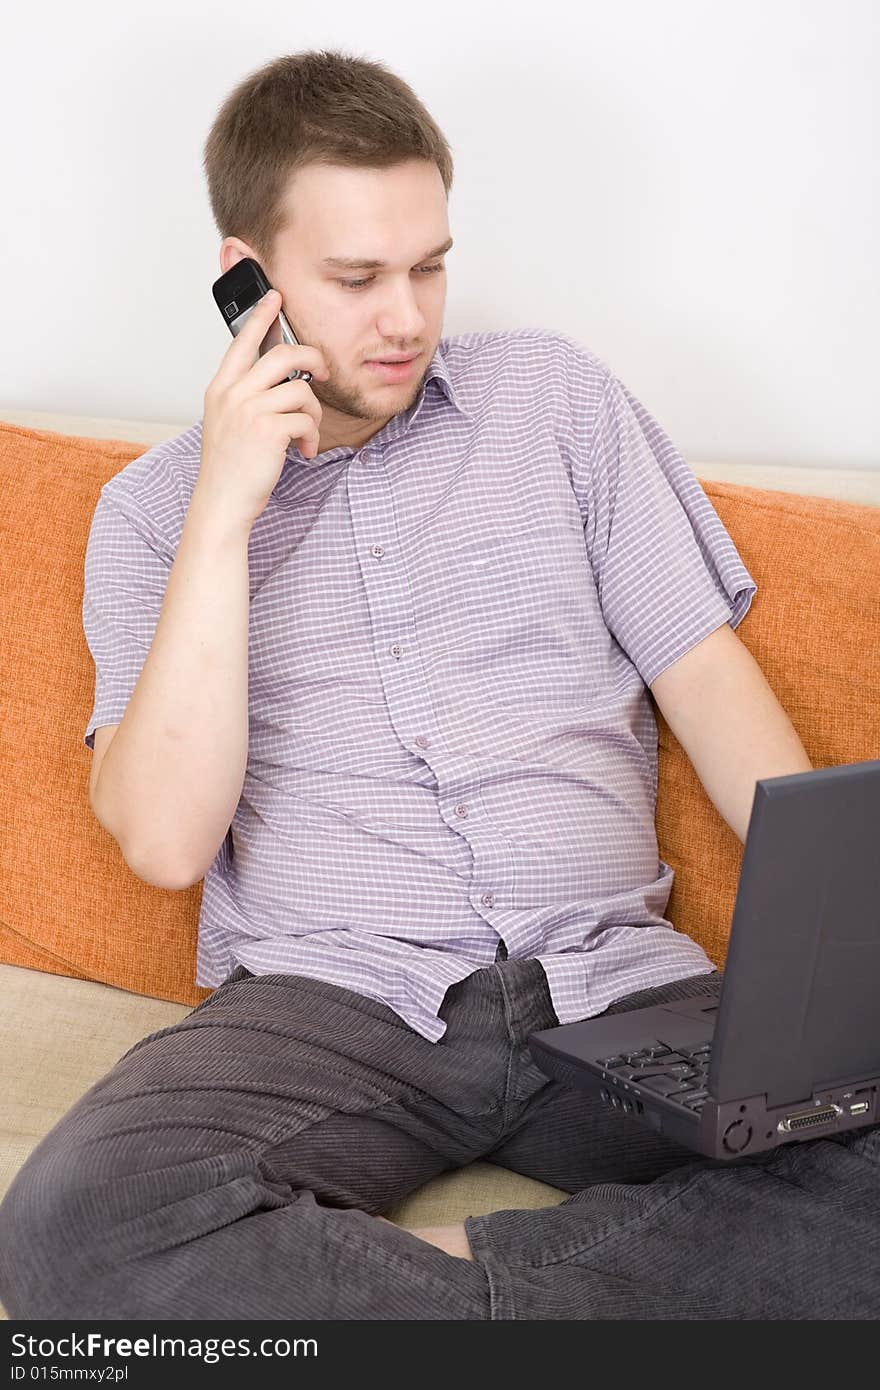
70 905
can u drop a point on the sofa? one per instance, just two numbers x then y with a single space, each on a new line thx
92 959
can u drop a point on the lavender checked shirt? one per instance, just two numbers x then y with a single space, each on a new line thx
452 631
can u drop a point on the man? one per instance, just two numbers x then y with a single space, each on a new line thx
415 677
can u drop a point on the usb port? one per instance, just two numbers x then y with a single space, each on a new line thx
860 1107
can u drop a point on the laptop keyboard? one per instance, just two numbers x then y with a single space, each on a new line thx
680 1074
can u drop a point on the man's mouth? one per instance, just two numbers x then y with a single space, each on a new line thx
394 370
400 357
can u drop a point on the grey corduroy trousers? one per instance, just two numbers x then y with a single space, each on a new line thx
230 1166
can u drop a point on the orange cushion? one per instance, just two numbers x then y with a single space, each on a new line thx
71 905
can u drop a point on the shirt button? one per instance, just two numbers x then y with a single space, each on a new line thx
396 649
488 899
377 550
461 810
421 741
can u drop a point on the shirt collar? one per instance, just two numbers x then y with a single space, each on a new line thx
437 372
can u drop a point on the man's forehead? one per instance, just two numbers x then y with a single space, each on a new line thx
351 218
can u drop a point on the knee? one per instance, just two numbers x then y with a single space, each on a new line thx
49 1229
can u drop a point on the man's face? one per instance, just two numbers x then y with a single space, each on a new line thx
353 314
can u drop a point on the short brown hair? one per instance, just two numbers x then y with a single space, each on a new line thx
323 107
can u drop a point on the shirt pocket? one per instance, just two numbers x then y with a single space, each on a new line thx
522 601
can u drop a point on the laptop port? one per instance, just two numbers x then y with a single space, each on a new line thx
806 1119
861 1107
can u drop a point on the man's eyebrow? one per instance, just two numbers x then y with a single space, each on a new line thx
356 263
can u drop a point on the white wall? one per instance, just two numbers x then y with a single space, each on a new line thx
689 189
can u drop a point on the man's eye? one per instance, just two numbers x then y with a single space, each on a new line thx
359 284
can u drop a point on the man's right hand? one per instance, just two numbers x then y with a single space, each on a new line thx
250 420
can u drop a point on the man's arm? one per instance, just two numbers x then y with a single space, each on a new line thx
718 704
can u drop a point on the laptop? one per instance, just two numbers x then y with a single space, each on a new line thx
789 1048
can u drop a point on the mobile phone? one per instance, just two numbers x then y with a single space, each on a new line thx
236 293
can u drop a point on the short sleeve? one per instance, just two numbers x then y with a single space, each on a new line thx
666 570
124 586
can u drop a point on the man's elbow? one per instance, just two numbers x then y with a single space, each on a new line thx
150 868
174 881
